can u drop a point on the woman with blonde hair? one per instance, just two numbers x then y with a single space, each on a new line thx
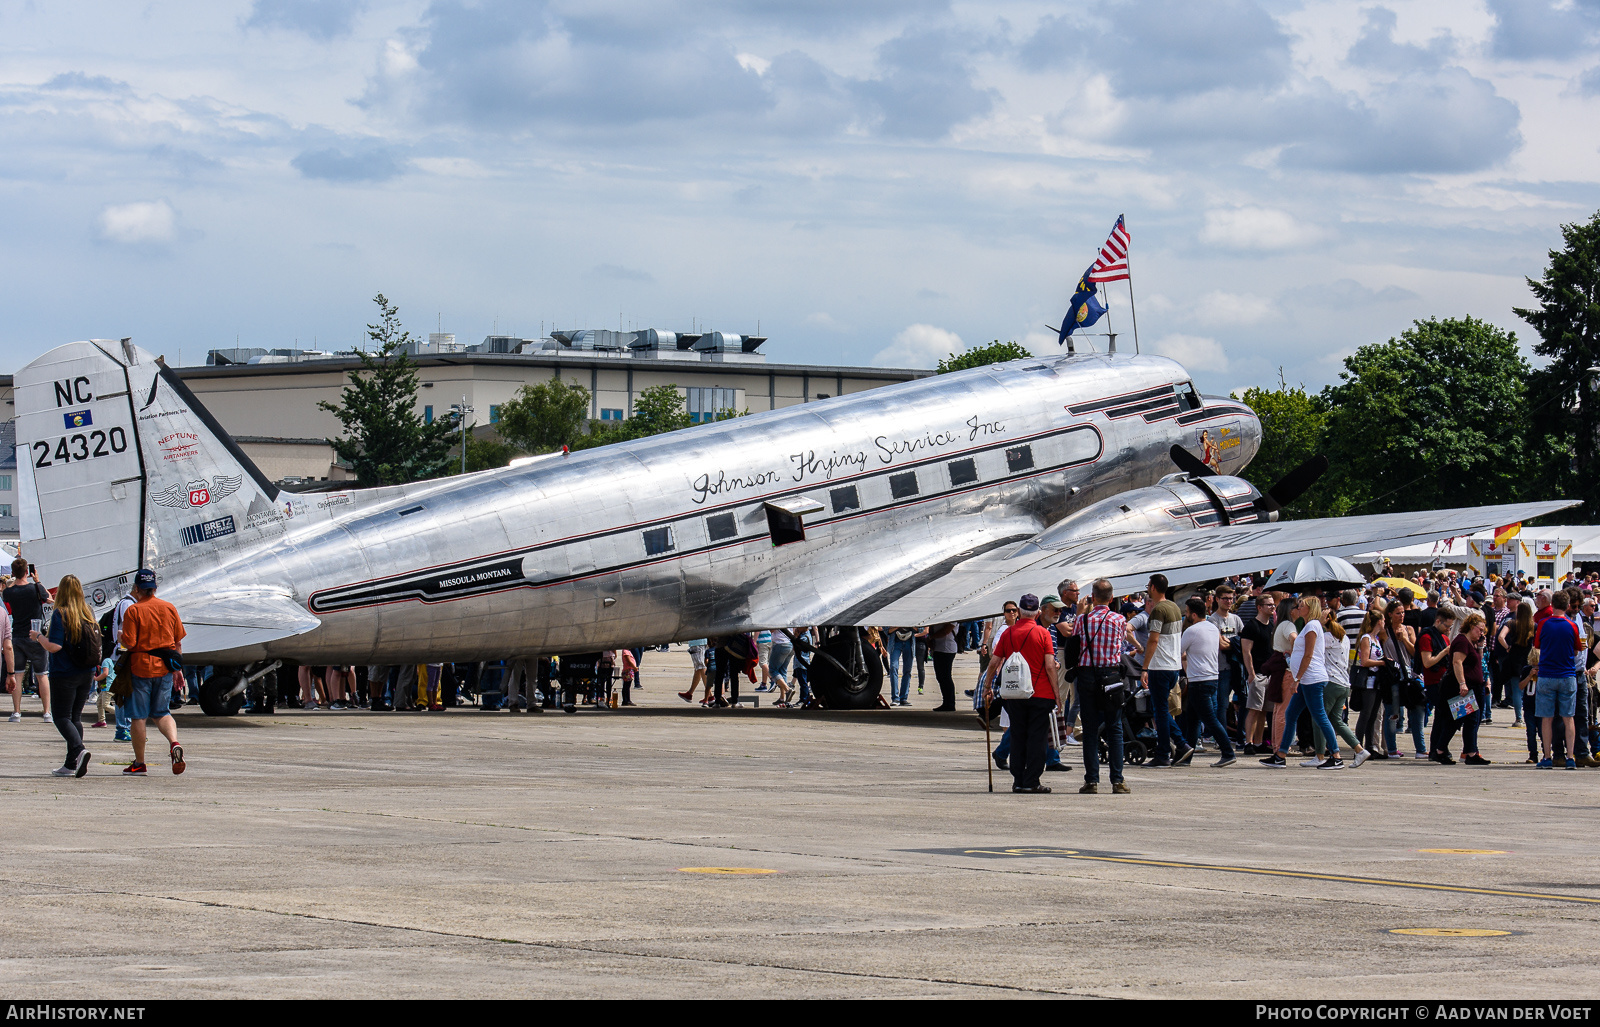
74 648
1336 661
1308 674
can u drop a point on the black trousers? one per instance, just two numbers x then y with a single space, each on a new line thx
1445 723
1030 737
942 664
68 693
728 673
1370 719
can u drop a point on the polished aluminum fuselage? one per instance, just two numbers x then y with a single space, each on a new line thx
667 538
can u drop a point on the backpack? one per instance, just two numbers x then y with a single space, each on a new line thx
86 651
1016 678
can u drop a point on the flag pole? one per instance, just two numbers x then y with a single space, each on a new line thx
1133 310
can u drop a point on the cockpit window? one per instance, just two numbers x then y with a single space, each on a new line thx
1188 399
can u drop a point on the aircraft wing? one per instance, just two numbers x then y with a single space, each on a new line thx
233 620
978 587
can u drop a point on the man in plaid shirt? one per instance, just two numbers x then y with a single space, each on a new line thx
1102 630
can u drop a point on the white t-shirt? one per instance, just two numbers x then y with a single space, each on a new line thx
1200 646
1310 638
1336 658
1281 635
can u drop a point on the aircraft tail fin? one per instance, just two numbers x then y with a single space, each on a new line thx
120 466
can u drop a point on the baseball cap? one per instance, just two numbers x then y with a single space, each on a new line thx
146 578
1029 602
1051 600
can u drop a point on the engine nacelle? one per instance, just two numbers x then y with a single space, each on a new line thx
1176 503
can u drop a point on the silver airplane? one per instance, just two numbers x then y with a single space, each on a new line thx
917 503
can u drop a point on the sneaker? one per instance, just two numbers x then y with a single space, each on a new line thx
1090 788
83 764
1361 757
1226 762
62 772
16 718
1544 764
1120 788
1313 762
1422 755
337 706
1274 761
687 696
121 736
177 759
1443 759
1331 763
1070 740
1517 723
1397 756
1057 766
98 723
1184 752
763 688
135 769
1571 763
1000 764
1476 760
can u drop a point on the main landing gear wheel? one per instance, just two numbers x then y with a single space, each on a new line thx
846 673
220 695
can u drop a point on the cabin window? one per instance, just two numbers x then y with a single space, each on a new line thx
903 486
963 472
658 541
1019 459
844 499
1188 399
721 526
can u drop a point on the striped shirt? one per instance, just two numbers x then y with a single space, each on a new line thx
1102 632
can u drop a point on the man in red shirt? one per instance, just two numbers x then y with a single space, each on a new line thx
151 630
1030 726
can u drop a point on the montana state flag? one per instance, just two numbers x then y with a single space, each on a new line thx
1084 310
1507 533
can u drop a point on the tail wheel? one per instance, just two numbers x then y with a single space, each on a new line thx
846 673
220 695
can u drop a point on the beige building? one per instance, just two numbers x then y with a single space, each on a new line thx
272 411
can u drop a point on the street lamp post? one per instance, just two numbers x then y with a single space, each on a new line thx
461 410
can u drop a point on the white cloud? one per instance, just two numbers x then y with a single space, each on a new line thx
1256 228
826 321
750 62
1231 308
1195 352
146 222
919 345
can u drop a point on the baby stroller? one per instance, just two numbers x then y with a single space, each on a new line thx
1138 722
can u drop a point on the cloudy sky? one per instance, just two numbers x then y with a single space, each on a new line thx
870 181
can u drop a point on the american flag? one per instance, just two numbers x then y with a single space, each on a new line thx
1112 263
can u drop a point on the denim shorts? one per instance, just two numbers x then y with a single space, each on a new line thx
1555 697
151 697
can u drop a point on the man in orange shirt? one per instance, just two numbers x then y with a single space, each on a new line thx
151 634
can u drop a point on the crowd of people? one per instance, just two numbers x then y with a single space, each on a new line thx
1283 676
1329 679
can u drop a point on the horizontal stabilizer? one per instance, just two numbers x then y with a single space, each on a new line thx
234 620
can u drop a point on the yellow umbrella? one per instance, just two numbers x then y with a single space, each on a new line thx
1399 583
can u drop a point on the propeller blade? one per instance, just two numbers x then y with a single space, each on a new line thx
1294 484
1187 461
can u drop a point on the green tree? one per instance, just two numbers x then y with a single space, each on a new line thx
386 442
994 353
1293 428
1431 419
483 454
658 409
544 417
1564 412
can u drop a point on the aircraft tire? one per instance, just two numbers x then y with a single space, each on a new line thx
860 682
214 698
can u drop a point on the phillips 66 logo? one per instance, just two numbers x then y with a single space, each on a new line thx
198 493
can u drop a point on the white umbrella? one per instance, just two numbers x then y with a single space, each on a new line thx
1312 571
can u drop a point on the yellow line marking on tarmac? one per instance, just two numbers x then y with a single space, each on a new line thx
1303 874
1449 932
1466 852
724 870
